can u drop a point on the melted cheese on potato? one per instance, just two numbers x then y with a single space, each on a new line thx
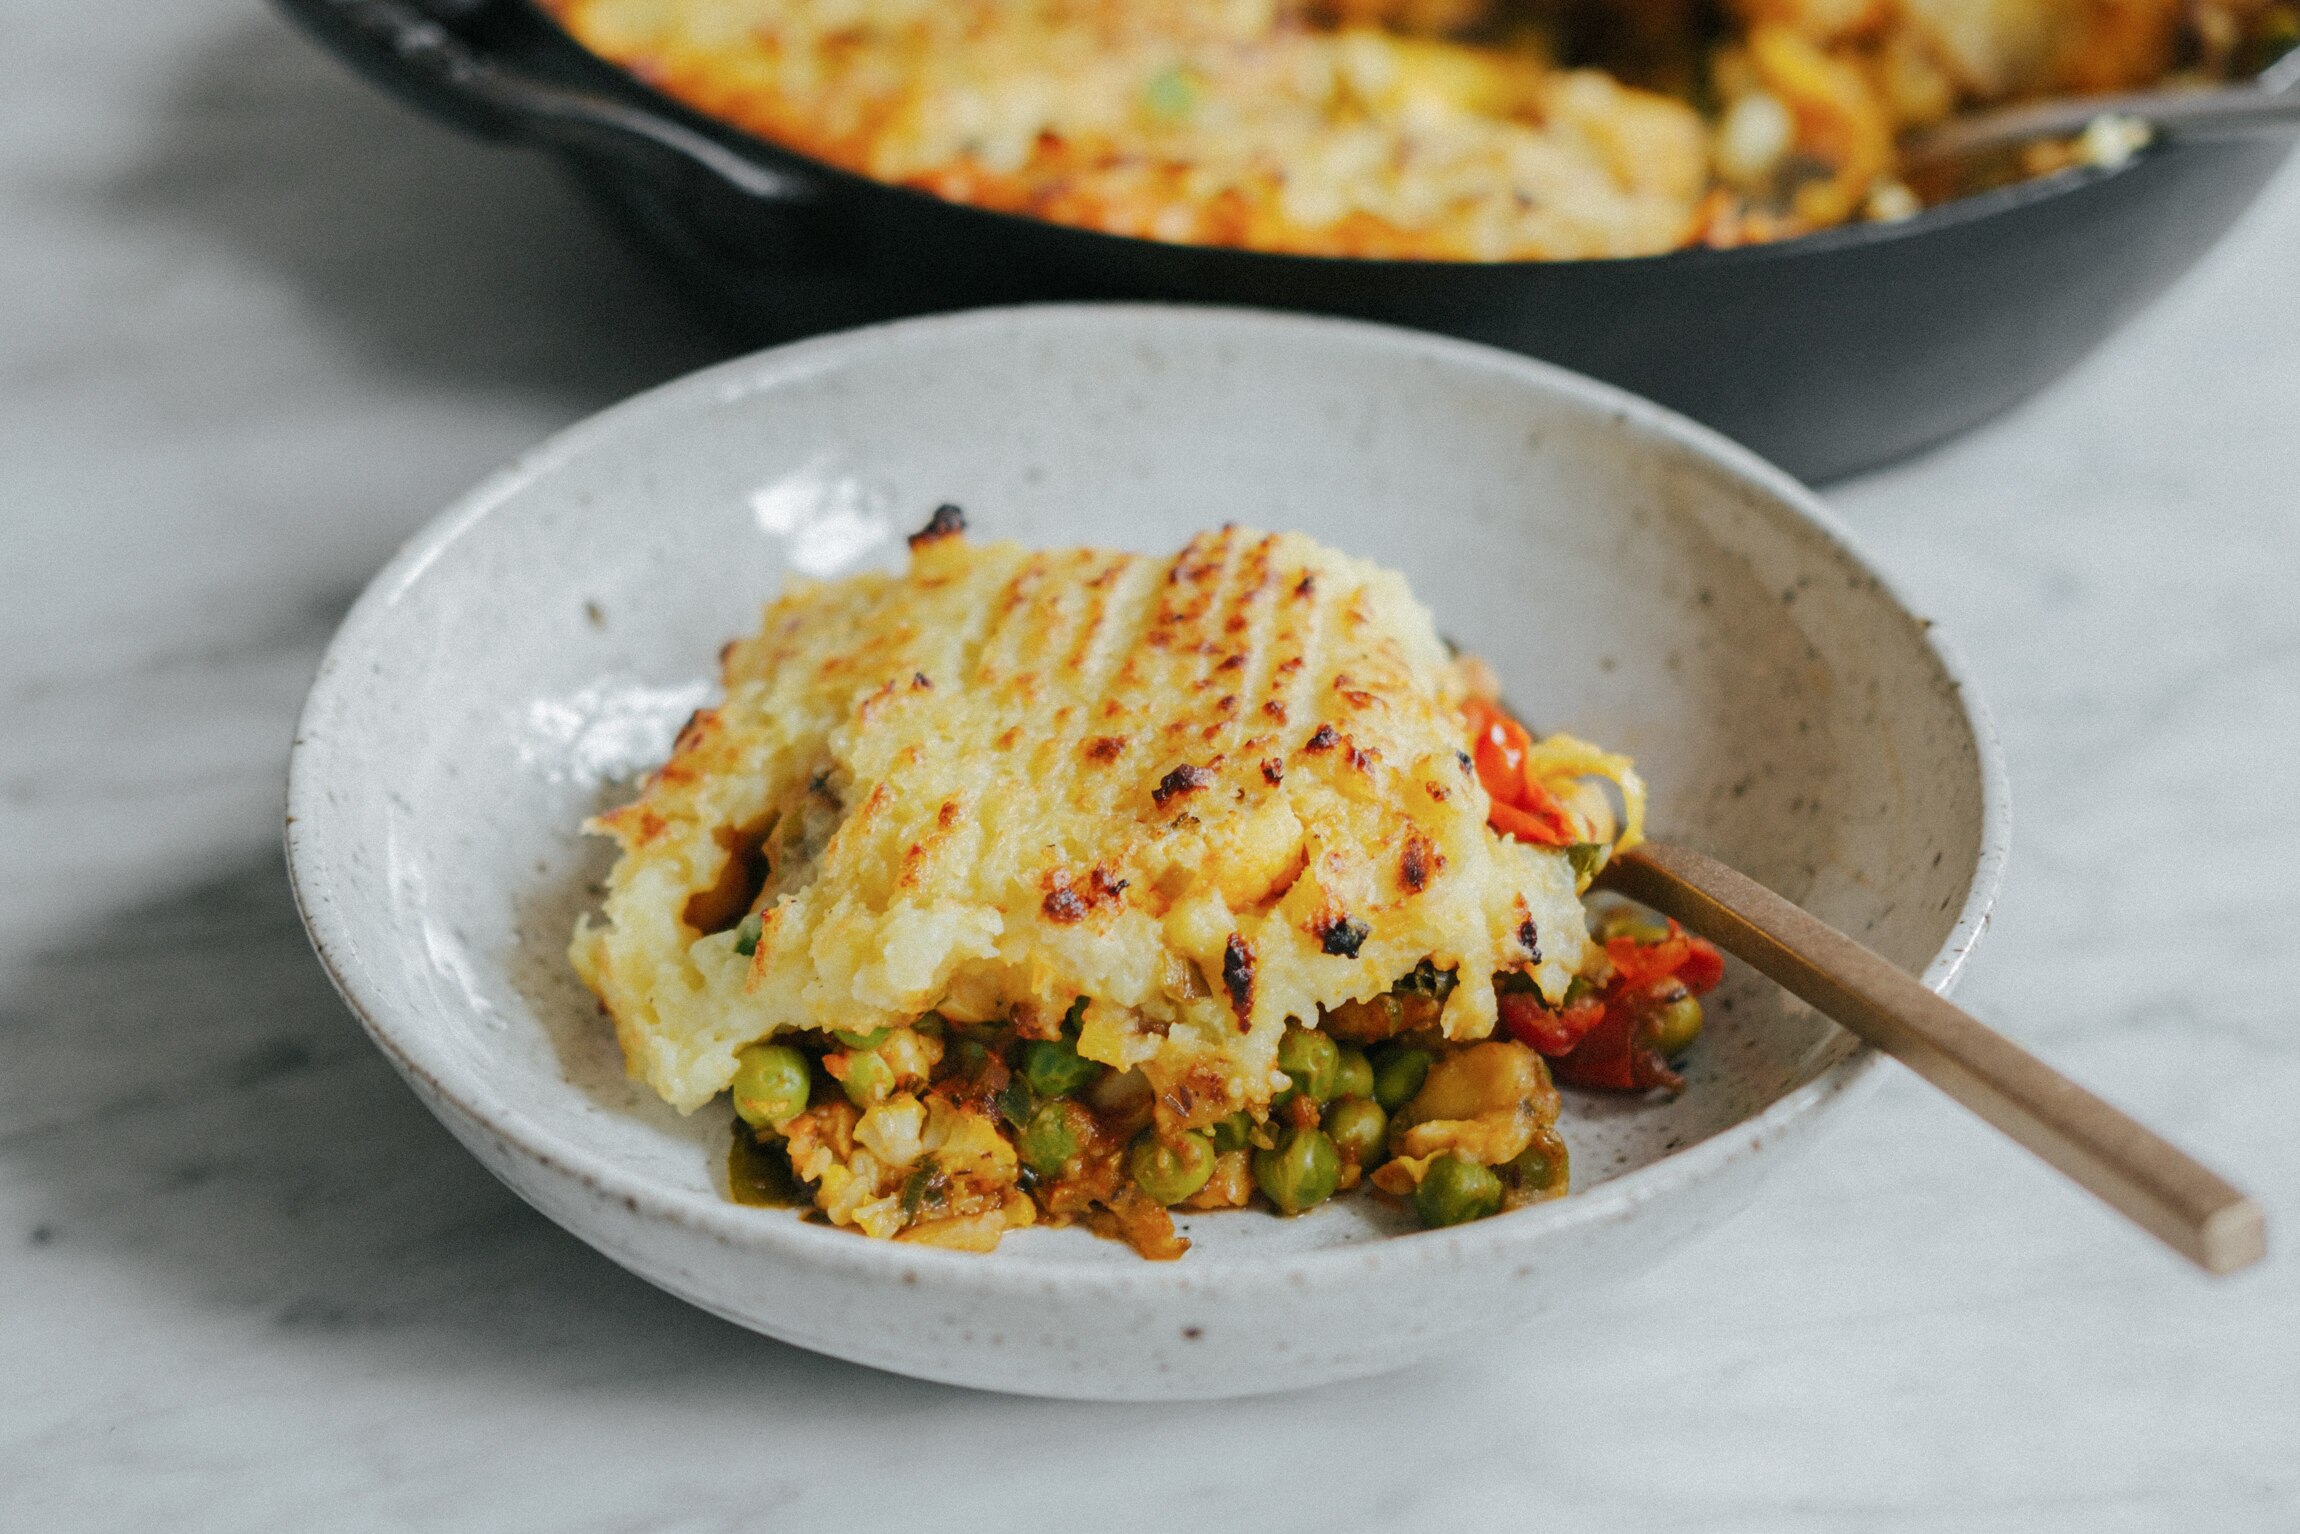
1208 793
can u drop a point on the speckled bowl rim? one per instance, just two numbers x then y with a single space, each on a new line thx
309 823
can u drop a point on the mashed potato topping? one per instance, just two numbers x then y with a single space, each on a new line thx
1052 861
1208 792
1229 122
1477 130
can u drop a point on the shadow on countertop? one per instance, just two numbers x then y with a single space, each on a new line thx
435 256
188 1098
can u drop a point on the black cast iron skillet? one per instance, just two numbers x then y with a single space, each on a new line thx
1827 354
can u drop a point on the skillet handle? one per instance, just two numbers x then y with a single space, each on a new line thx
414 55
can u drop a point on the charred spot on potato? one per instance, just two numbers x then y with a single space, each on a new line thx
691 731
1238 976
1324 738
1185 779
1340 936
1419 861
947 522
1067 903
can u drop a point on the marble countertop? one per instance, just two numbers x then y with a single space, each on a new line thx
259 324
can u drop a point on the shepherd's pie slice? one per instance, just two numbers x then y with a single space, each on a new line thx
1175 801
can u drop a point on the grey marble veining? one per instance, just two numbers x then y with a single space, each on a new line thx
257 324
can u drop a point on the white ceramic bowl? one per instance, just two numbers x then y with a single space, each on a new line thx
539 643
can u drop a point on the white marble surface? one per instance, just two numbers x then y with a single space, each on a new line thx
257 324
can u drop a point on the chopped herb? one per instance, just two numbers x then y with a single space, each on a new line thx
1015 1102
968 1058
1587 858
922 1187
1427 980
1171 93
747 935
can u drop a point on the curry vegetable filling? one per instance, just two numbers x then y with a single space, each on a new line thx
1080 886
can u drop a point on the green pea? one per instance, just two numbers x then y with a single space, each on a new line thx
869 1079
1399 1074
1359 1129
1051 1140
1631 922
747 932
1675 1024
1453 1191
1587 858
1300 1173
1056 1070
1542 1165
1233 1133
1310 1059
771 1084
1353 1074
1171 1173
871 1040
1171 93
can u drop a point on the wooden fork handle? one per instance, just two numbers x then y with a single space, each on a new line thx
2149 1180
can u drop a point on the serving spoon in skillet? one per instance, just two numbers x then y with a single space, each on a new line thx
2143 1176
2270 104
